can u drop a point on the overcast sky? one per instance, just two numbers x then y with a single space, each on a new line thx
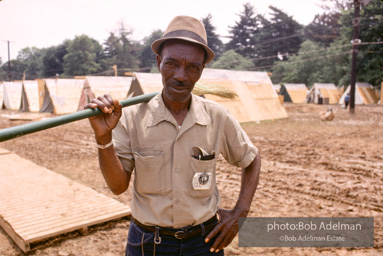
44 23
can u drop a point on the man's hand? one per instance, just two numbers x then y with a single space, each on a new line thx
225 230
227 227
111 167
105 123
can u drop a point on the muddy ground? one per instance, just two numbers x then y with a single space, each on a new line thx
310 168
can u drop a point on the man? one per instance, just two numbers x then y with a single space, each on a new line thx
347 100
172 143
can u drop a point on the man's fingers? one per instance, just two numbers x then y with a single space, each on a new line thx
221 239
107 104
117 107
101 105
217 242
90 105
223 243
110 100
213 233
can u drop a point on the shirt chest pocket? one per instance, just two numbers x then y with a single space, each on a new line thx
150 175
207 169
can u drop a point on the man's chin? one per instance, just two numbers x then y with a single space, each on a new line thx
178 97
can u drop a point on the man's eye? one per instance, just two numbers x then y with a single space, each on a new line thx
171 64
194 68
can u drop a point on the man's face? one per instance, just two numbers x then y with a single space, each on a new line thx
181 64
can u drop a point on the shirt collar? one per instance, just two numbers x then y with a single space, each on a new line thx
196 114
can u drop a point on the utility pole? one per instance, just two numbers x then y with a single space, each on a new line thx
9 64
355 41
9 60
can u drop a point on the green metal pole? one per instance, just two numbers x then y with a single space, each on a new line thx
21 130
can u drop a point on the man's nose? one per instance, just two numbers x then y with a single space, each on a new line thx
180 74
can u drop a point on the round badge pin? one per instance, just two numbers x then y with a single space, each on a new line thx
203 178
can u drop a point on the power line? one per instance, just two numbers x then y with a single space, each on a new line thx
304 60
321 28
324 56
305 52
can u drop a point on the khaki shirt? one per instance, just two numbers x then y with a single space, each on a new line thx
149 141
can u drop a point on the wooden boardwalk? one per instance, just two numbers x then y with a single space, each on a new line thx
36 203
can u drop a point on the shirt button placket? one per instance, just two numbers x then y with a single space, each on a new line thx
176 180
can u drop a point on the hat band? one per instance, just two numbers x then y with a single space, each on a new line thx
185 33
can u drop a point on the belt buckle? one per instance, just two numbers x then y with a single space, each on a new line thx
181 232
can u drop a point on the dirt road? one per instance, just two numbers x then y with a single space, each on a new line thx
310 168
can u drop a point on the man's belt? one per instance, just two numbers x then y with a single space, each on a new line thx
182 233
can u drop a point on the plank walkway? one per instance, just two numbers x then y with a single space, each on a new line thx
3 151
36 203
25 116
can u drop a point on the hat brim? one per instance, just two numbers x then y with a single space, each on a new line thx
156 45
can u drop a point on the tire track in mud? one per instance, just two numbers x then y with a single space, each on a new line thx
330 185
350 184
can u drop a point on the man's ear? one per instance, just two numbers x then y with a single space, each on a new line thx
159 60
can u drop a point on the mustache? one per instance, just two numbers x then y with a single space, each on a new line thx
177 83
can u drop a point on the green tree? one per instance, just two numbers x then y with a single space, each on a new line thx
336 5
53 59
3 73
280 36
148 58
232 61
213 40
112 49
17 70
83 57
31 57
324 28
244 34
120 50
130 50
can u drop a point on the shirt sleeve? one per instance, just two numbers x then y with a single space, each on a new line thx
122 144
237 148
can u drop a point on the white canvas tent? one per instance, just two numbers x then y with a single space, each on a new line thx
117 86
12 95
320 91
30 97
295 93
1 95
63 96
255 91
364 94
144 83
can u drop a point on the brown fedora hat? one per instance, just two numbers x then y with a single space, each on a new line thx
185 28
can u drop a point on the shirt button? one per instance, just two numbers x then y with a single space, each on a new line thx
178 200
177 170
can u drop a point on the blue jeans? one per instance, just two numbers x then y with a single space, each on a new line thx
140 239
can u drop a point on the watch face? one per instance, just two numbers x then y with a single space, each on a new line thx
203 178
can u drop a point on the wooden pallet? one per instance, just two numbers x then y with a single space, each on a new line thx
4 151
36 203
27 116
